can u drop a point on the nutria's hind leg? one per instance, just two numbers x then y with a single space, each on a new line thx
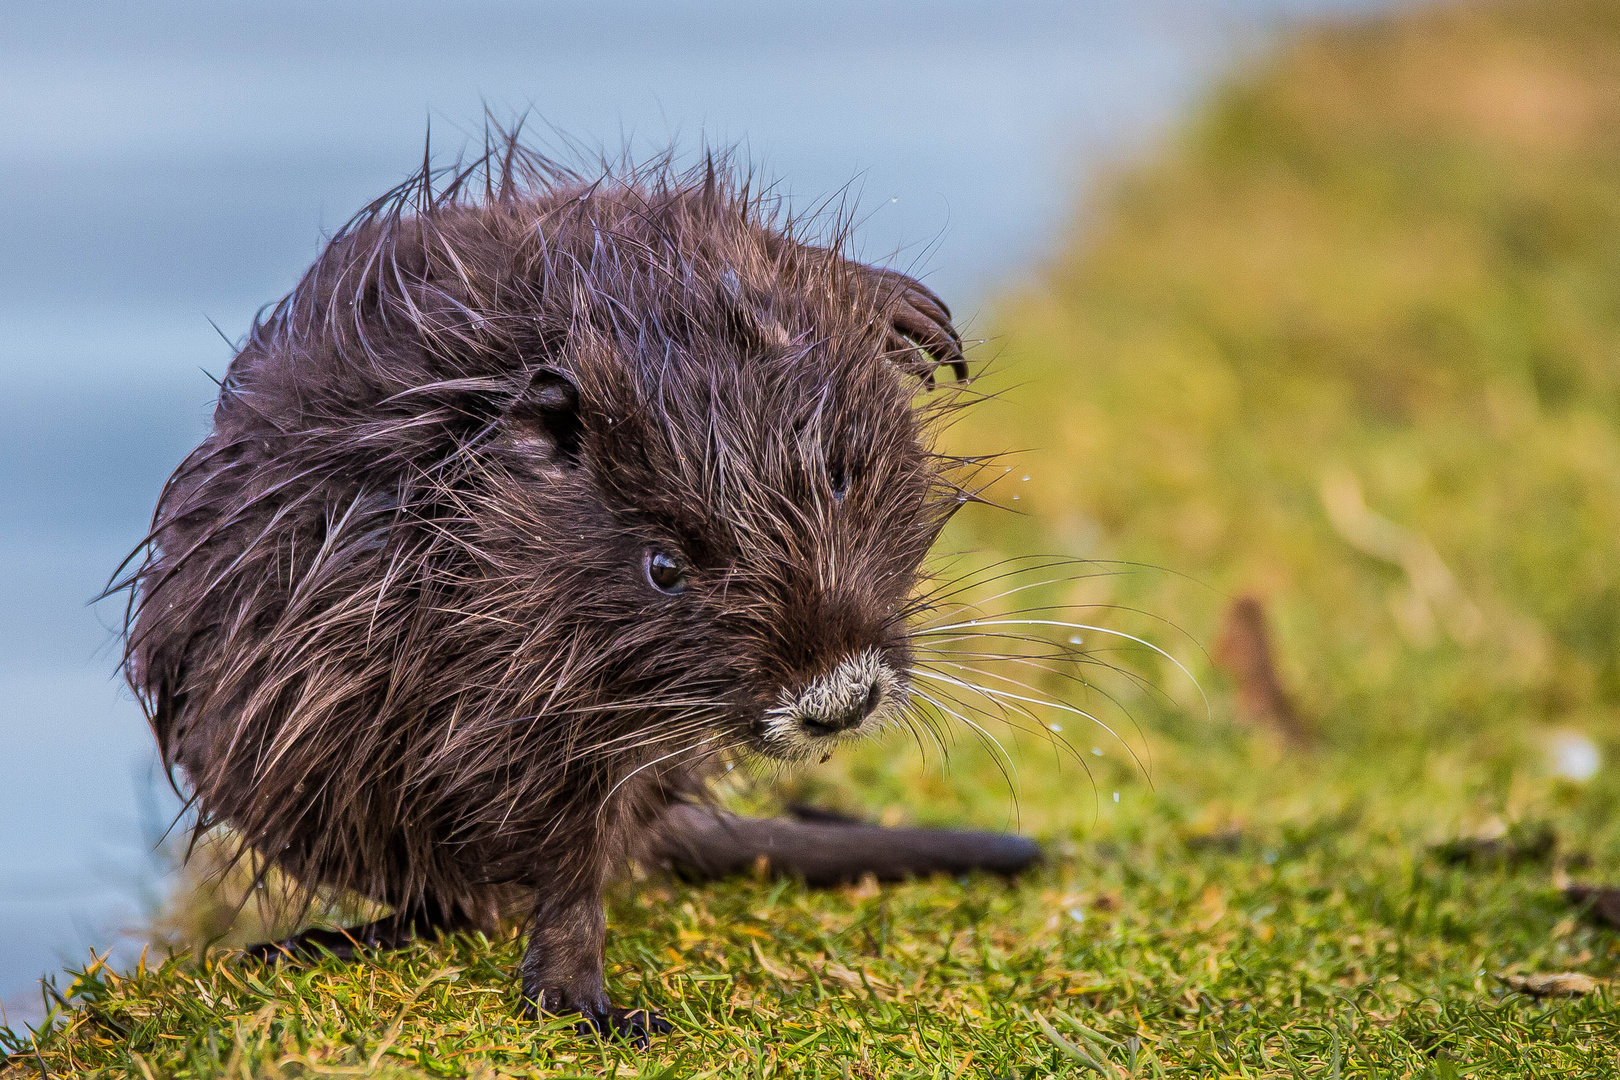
827 849
394 932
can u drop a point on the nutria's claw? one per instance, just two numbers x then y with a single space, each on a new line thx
635 1026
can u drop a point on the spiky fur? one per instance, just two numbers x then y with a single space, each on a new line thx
391 624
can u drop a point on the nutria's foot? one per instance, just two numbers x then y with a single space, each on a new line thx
635 1026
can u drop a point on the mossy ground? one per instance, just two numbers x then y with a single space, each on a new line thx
1321 940
1349 345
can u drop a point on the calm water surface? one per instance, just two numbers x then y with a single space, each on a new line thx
169 167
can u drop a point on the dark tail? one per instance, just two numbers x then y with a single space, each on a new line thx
825 850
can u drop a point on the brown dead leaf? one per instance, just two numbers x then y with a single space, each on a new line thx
1553 984
857 980
1244 651
770 967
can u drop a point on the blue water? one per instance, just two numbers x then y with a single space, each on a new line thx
167 164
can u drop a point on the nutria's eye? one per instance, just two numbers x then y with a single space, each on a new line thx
665 571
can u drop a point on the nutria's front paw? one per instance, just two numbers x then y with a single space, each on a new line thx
635 1026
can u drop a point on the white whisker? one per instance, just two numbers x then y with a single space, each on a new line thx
976 727
991 692
1078 626
911 725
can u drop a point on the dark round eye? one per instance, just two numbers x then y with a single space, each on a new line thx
667 572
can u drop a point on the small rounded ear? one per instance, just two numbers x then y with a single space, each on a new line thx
543 419
920 337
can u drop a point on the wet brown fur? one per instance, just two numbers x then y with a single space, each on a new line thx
392 626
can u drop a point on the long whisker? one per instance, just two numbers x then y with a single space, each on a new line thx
1109 567
960 586
1090 657
912 720
1081 626
1012 713
1043 608
953 659
1027 586
1012 780
992 692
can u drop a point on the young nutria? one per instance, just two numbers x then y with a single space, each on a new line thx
536 501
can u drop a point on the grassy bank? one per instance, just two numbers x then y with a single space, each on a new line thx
1347 348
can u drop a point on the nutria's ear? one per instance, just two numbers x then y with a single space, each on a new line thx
920 337
543 419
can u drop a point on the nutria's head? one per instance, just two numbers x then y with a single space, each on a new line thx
745 499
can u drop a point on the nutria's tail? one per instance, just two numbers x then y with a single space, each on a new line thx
824 849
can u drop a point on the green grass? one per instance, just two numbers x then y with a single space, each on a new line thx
1371 289
1317 947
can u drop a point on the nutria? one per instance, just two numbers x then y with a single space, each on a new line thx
536 501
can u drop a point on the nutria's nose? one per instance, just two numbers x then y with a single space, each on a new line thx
863 704
846 702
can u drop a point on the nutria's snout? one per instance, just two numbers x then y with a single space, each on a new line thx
845 703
